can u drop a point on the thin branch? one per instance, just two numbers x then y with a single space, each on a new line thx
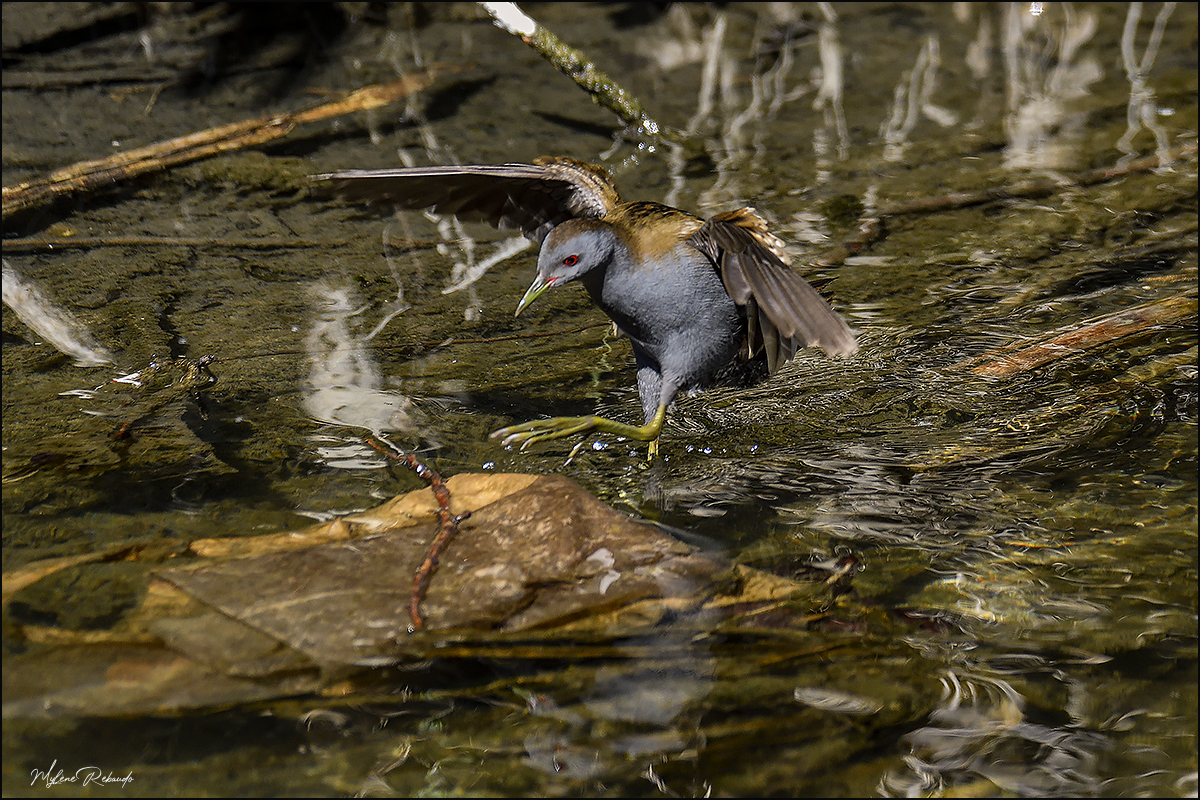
576 66
447 527
89 175
1066 341
44 243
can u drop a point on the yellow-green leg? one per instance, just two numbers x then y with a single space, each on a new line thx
543 430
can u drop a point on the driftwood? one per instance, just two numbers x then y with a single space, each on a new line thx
575 65
1068 340
89 175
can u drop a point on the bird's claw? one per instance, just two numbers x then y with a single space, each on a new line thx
542 430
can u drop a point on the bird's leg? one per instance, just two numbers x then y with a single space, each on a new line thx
543 430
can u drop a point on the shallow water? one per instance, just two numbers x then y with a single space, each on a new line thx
1025 619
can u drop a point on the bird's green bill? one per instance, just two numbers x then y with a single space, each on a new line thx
533 293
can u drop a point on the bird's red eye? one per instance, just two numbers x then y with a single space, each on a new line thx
570 261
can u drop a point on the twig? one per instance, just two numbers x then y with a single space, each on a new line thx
514 336
38 244
447 527
1073 339
576 66
415 346
88 175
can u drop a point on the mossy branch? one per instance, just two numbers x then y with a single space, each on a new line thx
576 66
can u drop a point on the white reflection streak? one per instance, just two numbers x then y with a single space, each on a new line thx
1041 133
344 383
713 39
913 100
778 75
1142 109
61 330
682 46
397 306
735 137
766 97
979 52
829 93
465 270
738 131
469 274
716 194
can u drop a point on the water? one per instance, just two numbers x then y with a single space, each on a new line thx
1024 621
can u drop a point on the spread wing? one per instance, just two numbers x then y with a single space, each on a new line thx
783 313
532 198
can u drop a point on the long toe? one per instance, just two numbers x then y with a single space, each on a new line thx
543 430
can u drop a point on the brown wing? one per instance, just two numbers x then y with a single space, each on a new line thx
532 198
783 312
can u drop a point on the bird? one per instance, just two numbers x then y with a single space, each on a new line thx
693 296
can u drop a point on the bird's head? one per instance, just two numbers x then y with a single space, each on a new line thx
572 249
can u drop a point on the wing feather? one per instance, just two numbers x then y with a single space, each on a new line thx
532 198
781 306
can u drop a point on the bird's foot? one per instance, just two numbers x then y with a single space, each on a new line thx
543 430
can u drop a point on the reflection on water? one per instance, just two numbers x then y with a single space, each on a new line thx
344 384
981 734
1025 616
644 706
1047 73
52 323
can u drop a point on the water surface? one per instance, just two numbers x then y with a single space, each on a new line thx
1025 619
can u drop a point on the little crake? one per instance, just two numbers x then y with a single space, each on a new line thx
692 295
